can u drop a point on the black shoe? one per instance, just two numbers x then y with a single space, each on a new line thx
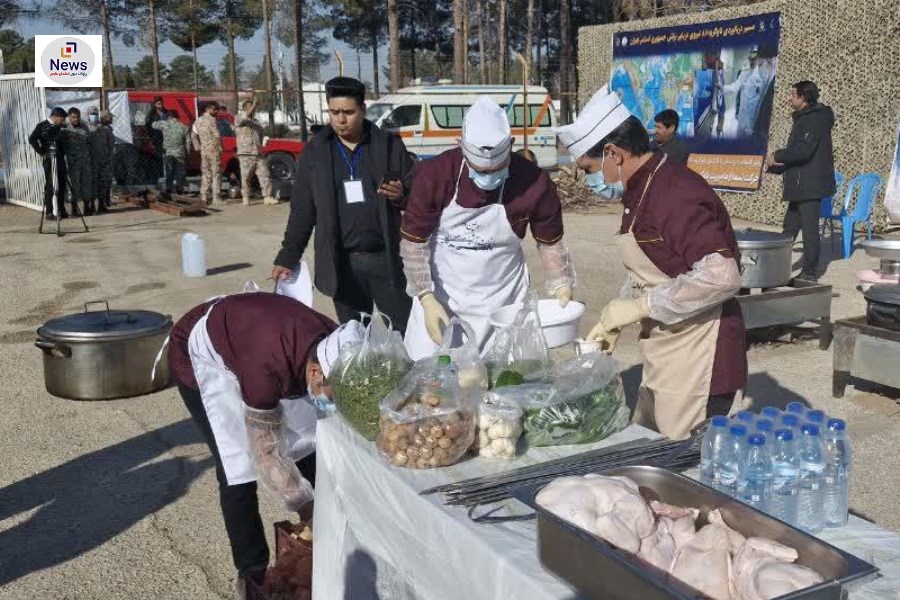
49 218
102 210
808 277
75 211
89 210
63 214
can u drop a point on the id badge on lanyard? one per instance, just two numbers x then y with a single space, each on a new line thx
353 187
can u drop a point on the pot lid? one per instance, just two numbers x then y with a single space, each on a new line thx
884 293
105 325
756 239
888 249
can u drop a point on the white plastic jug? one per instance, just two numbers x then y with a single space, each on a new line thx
193 255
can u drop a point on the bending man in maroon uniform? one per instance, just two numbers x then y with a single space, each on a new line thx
242 363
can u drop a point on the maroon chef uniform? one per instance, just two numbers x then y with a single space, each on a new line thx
259 343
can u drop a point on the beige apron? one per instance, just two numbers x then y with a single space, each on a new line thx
678 359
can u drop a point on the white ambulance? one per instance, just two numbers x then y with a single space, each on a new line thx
429 117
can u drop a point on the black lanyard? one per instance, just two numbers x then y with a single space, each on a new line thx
351 160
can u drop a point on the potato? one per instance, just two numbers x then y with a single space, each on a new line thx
402 443
418 440
400 459
445 442
421 463
426 452
436 431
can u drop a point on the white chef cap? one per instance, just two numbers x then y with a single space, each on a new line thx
330 348
599 117
486 141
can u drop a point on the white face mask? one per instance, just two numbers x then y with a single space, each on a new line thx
489 181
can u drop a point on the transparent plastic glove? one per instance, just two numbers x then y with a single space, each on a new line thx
711 281
564 295
436 318
275 472
623 311
417 267
558 268
607 339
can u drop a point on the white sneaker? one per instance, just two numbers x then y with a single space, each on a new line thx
270 200
246 201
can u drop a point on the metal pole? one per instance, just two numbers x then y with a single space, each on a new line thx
526 116
340 60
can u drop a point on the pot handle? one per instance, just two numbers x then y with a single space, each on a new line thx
54 349
106 302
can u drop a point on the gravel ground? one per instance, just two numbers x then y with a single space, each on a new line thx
117 500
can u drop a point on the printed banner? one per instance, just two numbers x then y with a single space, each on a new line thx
719 77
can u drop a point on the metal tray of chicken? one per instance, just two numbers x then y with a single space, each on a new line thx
601 571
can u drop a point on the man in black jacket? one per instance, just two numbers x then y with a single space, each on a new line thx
807 166
46 139
351 185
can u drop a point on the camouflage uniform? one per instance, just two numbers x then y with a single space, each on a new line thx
78 164
249 142
176 146
102 145
210 156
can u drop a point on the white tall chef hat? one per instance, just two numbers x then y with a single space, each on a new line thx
600 116
486 141
330 348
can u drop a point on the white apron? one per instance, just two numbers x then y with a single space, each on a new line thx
477 265
224 404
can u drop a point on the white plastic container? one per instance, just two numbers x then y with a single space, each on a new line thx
558 324
193 255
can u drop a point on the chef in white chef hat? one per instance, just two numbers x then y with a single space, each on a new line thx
482 199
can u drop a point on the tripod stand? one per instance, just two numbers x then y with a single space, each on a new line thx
56 199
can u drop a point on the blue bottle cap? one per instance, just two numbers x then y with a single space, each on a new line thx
757 440
784 435
810 429
770 412
837 425
816 416
738 429
745 416
797 408
790 420
764 424
719 421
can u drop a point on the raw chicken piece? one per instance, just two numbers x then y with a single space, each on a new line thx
658 548
571 499
736 539
764 569
662 509
704 563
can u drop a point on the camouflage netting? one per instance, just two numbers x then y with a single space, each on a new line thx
850 49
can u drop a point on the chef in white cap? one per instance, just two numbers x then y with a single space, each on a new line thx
681 256
468 211
251 369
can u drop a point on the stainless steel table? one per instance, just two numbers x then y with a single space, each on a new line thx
865 352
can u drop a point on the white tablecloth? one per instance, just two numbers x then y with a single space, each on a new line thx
376 537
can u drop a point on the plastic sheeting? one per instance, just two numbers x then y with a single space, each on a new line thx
376 537
83 100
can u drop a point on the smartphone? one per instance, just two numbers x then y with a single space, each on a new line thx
390 176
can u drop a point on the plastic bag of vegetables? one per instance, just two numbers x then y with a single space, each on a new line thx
519 352
499 427
470 369
585 402
366 372
427 421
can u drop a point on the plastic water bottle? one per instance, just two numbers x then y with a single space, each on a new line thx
714 442
765 427
792 422
745 417
771 413
727 470
810 513
786 470
817 418
796 408
838 456
193 255
756 473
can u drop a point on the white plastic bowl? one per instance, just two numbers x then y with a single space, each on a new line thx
559 325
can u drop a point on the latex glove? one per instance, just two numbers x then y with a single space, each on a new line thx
607 339
435 318
564 295
624 311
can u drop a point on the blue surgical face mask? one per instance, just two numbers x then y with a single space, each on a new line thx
489 181
607 191
323 404
94 118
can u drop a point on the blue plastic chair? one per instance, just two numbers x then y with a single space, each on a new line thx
828 216
865 187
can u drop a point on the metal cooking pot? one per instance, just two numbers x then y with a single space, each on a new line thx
765 258
100 355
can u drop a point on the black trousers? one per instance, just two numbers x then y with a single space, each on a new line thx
240 504
719 404
48 185
804 216
366 281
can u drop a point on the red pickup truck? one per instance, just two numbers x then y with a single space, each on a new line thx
136 164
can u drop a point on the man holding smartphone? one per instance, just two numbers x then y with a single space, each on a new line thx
351 186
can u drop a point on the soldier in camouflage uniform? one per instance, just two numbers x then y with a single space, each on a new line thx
176 146
78 162
102 145
249 141
207 131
